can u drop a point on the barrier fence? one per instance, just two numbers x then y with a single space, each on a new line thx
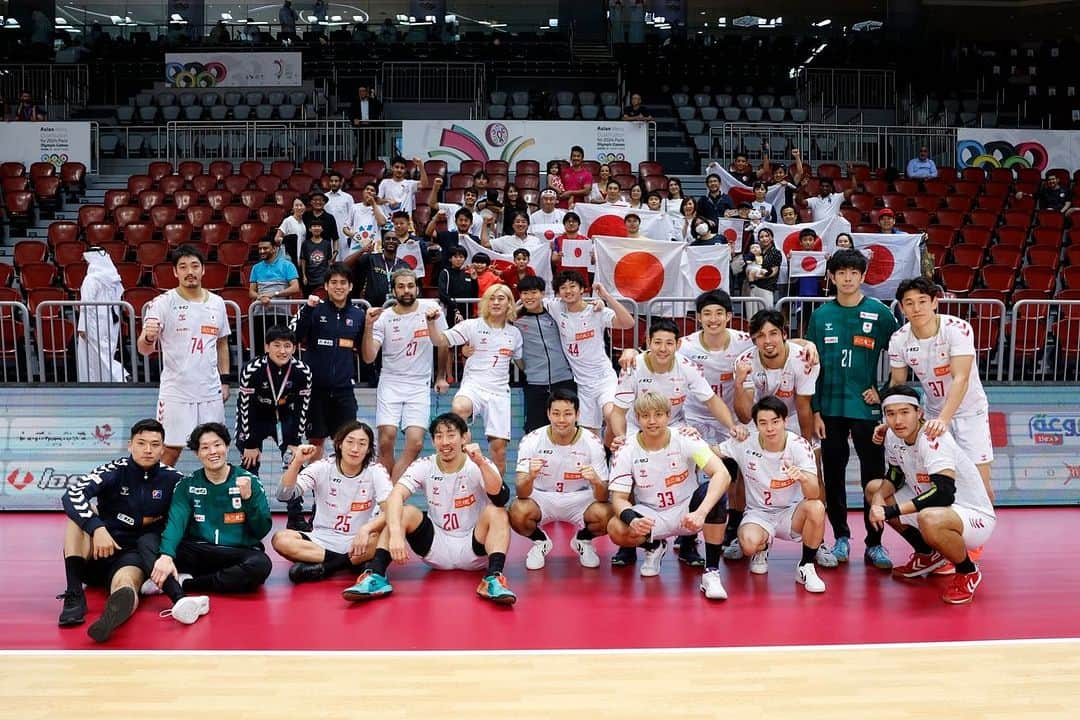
15 342
78 341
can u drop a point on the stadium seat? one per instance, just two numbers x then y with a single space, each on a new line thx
127 214
941 234
863 202
969 255
1018 218
214 233
236 184
300 183
177 233
151 253
1043 255
1011 235
376 168
1047 237
251 169
958 279
100 233
164 277
73 177
983 218
950 217
150 198
29 251
252 232
253 199
137 234
267 183
19 206
285 199
235 215
272 215
975 235
218 200
997 277
62 231
233 254
1050 219
138 183
220 169
162 215
1039 277
12 169
917 217
215 276
36 274
1008 255
67 253
72 276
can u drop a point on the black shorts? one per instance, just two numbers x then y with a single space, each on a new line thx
142 554
329 410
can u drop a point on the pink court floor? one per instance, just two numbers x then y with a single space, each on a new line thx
1029 590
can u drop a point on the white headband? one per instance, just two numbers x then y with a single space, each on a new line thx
900 400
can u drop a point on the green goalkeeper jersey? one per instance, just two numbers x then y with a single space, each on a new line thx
202 511
850 341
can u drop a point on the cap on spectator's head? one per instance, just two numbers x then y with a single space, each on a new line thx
886 212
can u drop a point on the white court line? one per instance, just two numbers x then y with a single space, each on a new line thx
959 644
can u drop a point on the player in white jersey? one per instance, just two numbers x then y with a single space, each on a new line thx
657 467
562 476
465 526
581 328
940 349
351 490
783 495
191 328
403 396
932 495
493 344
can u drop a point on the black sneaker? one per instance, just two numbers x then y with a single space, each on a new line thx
623 557
74 612
688 552
303 572
298 523
119 606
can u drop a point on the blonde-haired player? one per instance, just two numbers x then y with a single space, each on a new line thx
657 466
562 476
485 382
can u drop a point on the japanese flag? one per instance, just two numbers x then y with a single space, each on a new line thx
640 270
409 253
740 192
609 220
731 229
892 258
578 254
786 237
807 263
539 256
546 231
705 268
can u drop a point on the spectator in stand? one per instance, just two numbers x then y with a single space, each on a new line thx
521 270
480 182
515 203
780 177
922 167
485 274
654 202
789 215
293 231
635 111
672 205
449 239
315 256
596 194
26 110
371 271
715 203
287 20
549 213
274 277
457 281
402 230
635 198
632 223
763 206
507 244
763 283
806 286
398 192
887 222
704 234
219 35
554 179
613 195
828 201
99 325
339 204
577 179
571 226
318 211
362 224
685 229
742 170
468 197
366 109
1052 196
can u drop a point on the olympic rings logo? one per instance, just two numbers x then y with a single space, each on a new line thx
195 74
55 159
999 153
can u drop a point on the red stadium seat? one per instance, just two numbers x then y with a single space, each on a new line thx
62 231
939 253
129 272
138 297
1070 276
15 184
252 232
1019 218
527 167
1050 219
374 168
54 341
219 199
251 169
268 183
150 199
203 184
220 169
138 183
215 276
285 199
199 215
34 275
996 189
73 276
215 233
238 295
273 215
1011 235
12 169
983 218
997 277
47 191
184 199
941 234
170 185
435 168
974 235
73 175
164 277
1047 237
177 233
1045 256
300 183
896 201
969 255
68 253
158 170
189 169
461 181
233 254
951 217
19 205
523 182
162 215
30 251
149 254
253 199
907 187
36 296
918 217
863 202
100 233
346 168
137 234
313 168
1006 255
126 215
1039 277
282 168
958 279
235 215
236 184
467 167
990 202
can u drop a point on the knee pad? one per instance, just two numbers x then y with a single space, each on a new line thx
716 516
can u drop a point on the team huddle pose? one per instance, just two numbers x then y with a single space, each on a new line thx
693 424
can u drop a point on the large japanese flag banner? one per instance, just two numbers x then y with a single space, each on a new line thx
740 192
640 270
539 256
705 268
893 258
786 237
609 220
409 253
807 263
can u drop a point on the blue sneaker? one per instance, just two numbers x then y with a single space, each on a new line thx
494 588
368 587
878 557
842 549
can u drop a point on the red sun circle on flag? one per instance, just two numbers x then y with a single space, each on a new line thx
549 234
611 225
809 263
708 278
731 235
638 276
882 264
791 242
578 252
409 260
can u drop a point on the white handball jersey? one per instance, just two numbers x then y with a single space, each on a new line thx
718 367
794 378
454 499
683 381
406 346
562 463
493 350
189 334
767 485
660 479
343 503
582 335
926 457
400 194
930 358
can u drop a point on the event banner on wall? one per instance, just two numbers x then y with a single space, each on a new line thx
513 140
51 142
1017 148
256 69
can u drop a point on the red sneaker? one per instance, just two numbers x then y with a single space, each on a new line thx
975 553
961 588
920 565
947 569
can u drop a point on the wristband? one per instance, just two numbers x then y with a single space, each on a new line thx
629 515
223 377
892 512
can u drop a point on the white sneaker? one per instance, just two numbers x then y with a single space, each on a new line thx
650 567
586 552
733 551
807 576
535 559
759 563
188 609
825 558
712 586
149 588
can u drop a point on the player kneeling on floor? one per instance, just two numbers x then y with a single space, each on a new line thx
783 497
933 495
350 490
561 477
465 527
656 465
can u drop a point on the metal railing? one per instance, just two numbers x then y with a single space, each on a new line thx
126 142
14 342
684 307
987 318
95 331
436 82
825 89
1045 341
297 140
876 145
56 87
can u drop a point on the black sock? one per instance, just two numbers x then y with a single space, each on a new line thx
916 540
73 569
380 563
496 561
966 566
734 517
650 545
199 583
335 562
808 554
712 555
585 534
172 589
538 535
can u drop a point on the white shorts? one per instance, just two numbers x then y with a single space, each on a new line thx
563 507
453 552
775 522
493 406
593 397
180 418
972 434
402 405
978 526
329 540
667 522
